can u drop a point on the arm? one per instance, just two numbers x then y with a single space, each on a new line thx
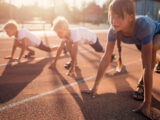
74 56
23 48
59 52
103 64
147 70
14 48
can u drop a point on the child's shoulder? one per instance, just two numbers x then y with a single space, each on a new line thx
144 23
144 26
144 20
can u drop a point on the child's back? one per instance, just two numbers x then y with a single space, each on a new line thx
83 35
32 40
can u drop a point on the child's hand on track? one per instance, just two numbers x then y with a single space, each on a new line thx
53 65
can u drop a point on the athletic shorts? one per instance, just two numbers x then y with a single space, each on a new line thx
97 46
44 47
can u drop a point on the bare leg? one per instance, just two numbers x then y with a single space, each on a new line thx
145 107
156 46
157 60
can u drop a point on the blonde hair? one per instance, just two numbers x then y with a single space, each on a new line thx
60 23
11 24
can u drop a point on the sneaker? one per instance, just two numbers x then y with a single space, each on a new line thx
30 54
157 68
68 65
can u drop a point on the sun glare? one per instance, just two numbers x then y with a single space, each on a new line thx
41 3
50 3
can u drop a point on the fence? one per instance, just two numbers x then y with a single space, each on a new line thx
149 8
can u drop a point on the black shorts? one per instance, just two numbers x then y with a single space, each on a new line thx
97 46
44 47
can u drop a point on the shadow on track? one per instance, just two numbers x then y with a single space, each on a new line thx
115 106
16 77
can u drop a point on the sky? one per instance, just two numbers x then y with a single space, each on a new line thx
48 3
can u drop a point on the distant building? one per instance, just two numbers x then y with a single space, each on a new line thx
149 8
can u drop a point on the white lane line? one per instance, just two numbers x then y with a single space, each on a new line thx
55 90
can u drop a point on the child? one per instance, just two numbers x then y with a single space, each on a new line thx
141 31
24 39
72 38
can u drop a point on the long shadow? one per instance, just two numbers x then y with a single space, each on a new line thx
16 77
76 97
93 61
108 106
119 86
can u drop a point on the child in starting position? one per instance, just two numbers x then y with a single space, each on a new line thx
72 38
145 34
24 39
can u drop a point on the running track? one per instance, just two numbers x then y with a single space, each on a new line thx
31 91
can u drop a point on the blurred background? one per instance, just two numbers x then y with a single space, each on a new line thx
38 14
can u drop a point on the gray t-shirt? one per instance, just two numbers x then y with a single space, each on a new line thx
145 29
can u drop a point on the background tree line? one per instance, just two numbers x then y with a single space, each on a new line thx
87 13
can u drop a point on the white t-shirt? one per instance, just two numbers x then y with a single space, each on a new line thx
32 40
82 35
